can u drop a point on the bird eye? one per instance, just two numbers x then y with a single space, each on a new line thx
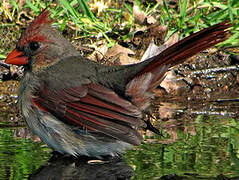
34 45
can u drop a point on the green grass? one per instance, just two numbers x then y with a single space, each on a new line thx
200 14
189 17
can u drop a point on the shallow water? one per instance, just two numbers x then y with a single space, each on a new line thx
199 142
19 157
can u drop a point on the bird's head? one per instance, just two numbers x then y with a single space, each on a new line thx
40 45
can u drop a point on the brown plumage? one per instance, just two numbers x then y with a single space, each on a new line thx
79 107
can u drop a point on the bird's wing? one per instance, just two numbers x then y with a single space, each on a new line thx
93 107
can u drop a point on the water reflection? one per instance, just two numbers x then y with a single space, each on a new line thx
19 157
195 145
69 168
200 142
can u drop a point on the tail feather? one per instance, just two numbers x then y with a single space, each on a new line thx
153 71
189 46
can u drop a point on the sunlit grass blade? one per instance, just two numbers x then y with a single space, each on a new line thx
232 41
230 11
183 12
32 6
15 6
165 7
66 4
2 56
217 16
129 8
84 6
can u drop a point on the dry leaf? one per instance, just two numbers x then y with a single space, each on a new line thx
153 50
172 85
151 20
139 15
124 59
172 40
167 110
116 49
120 55
158 31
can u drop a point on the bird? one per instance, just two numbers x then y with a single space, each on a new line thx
79 107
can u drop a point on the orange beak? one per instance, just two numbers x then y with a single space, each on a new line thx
16 57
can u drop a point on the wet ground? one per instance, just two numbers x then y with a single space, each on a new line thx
196 110
200 142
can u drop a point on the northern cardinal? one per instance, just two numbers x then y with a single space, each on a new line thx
79 107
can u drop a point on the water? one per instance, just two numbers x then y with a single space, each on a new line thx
19 157
199 142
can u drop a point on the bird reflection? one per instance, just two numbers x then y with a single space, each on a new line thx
83 168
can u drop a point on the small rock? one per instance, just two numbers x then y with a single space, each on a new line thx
207 90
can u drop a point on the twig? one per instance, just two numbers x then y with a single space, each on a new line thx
5 65
218 69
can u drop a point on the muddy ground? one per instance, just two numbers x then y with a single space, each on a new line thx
211 76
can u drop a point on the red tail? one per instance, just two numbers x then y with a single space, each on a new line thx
189 46
151 75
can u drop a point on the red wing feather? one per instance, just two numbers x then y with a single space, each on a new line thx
95 108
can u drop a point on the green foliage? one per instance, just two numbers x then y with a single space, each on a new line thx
19 157
196 15
189 16
211 151
2 56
